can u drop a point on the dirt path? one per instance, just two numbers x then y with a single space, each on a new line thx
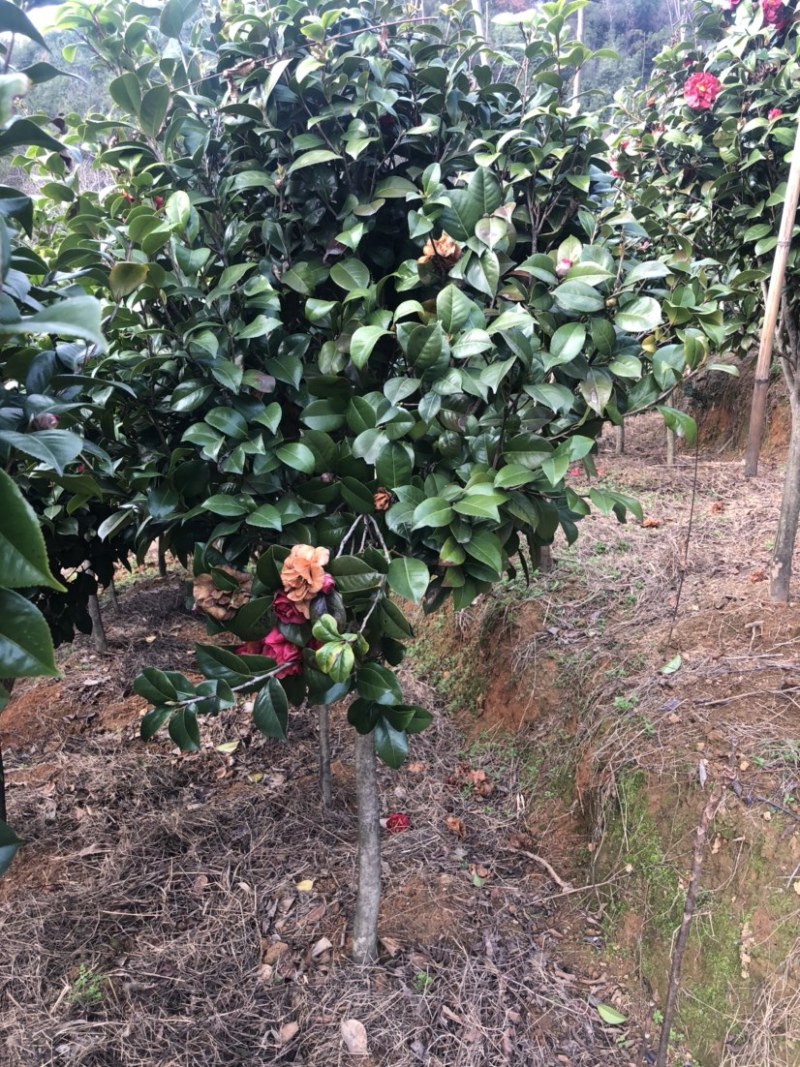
192 910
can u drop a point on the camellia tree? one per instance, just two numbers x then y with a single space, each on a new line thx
46 322
705 160
372 305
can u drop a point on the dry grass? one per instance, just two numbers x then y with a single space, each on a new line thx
154 916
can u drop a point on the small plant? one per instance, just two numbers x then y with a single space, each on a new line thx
87 987
423 982
623 704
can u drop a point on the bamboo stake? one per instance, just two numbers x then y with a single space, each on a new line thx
776 281
576 81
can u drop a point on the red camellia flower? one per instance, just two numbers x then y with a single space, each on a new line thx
733 4
397 823
773 13
701 90
328 584
249 648
774 113
282 651
286 612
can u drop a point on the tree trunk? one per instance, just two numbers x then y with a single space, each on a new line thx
98 630
365 921
576 80
786 534
162 558
619 439
3 814
112 596
325 786
772 309
670 447
8 685
546 560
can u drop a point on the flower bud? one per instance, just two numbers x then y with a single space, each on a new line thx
45 421
563 267
317 608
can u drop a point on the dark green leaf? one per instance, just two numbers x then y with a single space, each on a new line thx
390 744
271 710
26 648
378 684
23 557
9 846
408 578
184 731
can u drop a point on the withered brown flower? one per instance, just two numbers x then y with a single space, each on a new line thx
303 576
382 500
221 604
444 250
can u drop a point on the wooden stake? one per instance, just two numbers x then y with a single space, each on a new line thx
771 311
671 1001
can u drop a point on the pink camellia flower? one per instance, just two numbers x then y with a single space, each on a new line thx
397 823
286 612
328 584
564 266
773 13
46 421
733 4
774 113
282 651
701 90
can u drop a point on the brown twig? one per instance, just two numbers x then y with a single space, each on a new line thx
747 696
685 559
671 1001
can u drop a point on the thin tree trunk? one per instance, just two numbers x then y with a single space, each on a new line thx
670 447
786 534
3 814
758 408
8 685
365 921
619 439
671 1001
325 786
98 630
112 596
546 559
162 558
576 81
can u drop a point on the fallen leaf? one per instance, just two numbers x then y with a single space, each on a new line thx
673 665
228 747
274 952
650 523
354 1035
323 945
314 915
758 575
150 638
796 887
391 946
287 1032
610 1015
451 1015
416 767
305 886
455 826
717 507
255 777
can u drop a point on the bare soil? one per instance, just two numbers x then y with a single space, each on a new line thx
193 910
